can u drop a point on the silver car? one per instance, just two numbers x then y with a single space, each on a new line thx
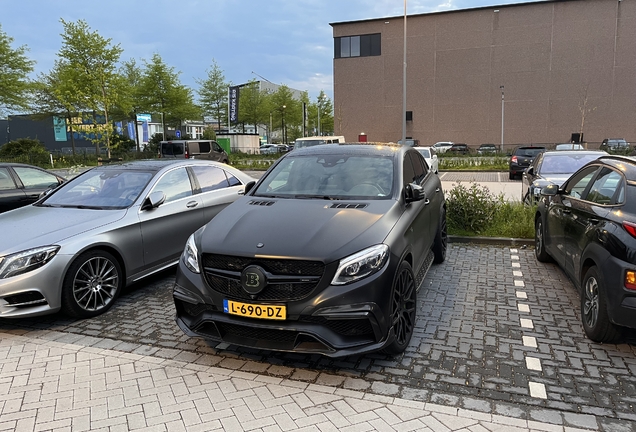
75 249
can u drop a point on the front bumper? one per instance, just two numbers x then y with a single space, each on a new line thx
38 292
333 320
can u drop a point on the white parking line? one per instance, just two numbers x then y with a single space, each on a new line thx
519 283
530 341
533 363
516 265
521 294
526 323
514 257
522 307
537 390
517 273
514 251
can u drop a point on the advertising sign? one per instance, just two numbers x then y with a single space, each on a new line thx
144 118
234 104
59 127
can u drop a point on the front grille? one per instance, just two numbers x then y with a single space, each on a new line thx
231 286
270 335
348 327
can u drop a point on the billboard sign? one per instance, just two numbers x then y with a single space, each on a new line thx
59 127
234 104
144 118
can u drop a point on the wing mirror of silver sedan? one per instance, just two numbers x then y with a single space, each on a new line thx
153 200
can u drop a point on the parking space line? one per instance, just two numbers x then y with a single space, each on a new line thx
537 390
521 294
522 307
529 341
519 283
534 363
526 323
517 273
516 264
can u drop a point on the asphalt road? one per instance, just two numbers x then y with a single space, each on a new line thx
480 315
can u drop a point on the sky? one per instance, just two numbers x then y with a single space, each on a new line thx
283 41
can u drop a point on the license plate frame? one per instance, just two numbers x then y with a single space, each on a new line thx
257 311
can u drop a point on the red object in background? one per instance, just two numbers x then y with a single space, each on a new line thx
362 138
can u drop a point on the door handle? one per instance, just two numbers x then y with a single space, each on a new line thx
593 221
192 204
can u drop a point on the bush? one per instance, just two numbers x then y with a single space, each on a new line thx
471 210
513 220
23 147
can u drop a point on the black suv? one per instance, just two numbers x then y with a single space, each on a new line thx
459 149
588 226
614 144
521 159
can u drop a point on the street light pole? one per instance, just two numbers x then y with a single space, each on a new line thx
319 134
284 138
502 118
404 83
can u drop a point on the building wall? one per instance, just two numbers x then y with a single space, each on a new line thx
549 56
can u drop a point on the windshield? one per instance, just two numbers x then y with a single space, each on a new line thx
97 189
330 177
529 151
562 164
309 143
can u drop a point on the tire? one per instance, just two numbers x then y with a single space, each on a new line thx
91 284
440 243
511 176
403 309
594 315
539 242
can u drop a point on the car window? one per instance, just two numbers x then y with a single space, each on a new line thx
529 151
576 186
210 178
565 164
408 170
232 180
424 152
172 149
204 147
605 186
34 178
217 147
6 182
329 176
419 166
175 185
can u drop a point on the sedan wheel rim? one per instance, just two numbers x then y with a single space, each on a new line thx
591 306
404 307
95 284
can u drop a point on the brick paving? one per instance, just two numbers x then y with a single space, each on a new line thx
468 352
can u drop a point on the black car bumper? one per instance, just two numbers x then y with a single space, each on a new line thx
515 169
621 302
331 320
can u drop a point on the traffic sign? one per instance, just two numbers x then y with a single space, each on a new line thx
177 133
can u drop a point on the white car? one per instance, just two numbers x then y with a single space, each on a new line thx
430 156
442 146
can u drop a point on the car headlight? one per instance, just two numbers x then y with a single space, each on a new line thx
25 261
191 255
361 264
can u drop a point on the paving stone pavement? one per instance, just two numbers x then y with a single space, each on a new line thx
470 349
49 385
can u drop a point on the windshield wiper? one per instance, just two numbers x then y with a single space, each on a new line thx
324 197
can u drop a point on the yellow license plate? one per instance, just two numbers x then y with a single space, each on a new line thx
273 312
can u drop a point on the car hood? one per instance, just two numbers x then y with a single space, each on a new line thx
301 228
33 226
557 179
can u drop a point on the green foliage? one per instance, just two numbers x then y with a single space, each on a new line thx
15 68
472 163
209 133
213 94
254 105
471 209
122 144
512 220
22 147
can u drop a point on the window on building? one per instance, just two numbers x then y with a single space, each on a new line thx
409 116
358 46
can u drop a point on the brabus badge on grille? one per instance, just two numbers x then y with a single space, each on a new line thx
253 279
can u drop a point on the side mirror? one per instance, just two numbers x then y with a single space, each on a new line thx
248 187
530 171
413 192
154 200
550 190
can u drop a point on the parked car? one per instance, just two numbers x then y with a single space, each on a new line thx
22 184
487 149
614 144
317 140
521 159
78 246
569 146
430 157
459 149
362 224
274 148
410 142
442 146
193 149
589 228
552 167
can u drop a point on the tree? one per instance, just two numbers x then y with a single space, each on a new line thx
213 94
325 114
286 111
92 63
584 107
254 106
130 102
161 92
14 70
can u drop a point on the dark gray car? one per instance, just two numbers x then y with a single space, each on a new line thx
112 225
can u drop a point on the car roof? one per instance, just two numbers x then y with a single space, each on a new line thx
573 152
369 148
153 164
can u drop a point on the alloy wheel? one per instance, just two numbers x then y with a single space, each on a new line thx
591 306
404 307
539 238
95 284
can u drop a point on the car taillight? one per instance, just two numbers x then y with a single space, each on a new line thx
630 228
630 279
513 159
187 156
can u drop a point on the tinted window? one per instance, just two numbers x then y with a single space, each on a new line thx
577 184
232 180
529 151
6 182
419 166
217 147
34 178
175 185
605 186
409 172
170 149
204 147
210 178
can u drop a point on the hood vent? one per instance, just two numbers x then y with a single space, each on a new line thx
348 206
261 203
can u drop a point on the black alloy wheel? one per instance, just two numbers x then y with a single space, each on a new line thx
594 310
440 243
403 309
91 284
539 242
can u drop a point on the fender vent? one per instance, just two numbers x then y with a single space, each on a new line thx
348 206
261 203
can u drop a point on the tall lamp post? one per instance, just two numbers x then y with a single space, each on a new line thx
404 83
502 118
284 138
319 101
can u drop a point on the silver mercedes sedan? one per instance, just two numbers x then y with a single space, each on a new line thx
74 249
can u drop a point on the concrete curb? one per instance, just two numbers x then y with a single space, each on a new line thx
492 241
